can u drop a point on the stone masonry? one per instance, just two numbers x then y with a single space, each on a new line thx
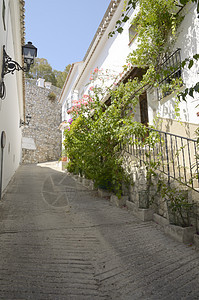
42 138
146 195
60 241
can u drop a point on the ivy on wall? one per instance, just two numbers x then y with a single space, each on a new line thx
156 25
92 140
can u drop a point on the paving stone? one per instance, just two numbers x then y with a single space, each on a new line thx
68 243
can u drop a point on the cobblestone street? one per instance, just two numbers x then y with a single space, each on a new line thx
61 241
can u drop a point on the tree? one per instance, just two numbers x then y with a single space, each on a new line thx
42 69
61 76
92 138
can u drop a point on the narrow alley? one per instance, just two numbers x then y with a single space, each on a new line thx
61 241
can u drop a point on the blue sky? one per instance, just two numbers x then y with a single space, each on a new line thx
62 30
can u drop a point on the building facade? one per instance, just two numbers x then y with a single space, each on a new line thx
12 107
111 53
68 94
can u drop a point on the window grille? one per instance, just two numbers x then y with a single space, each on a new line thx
132 33
72 97
170 69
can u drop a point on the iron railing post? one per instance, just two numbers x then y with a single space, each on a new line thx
167 156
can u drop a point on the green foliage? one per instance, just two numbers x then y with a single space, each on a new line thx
179 207
52 96
42 69
61 76
131 4
189 62
93 139
92 143
156 25
128 5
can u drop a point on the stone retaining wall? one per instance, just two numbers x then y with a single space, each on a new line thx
42 134
143 195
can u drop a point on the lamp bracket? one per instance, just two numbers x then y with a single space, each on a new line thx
9 65
24 123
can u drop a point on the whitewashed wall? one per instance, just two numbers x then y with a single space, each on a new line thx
68 92
11 108
111 54
188 42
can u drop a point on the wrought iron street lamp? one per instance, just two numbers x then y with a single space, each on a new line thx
29 52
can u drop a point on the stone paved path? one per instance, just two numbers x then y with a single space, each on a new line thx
60 241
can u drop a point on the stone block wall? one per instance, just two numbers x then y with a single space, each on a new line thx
144 194
43 131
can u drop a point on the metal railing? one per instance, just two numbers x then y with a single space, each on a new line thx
176 156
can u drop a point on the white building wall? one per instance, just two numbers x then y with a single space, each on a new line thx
69 93
188 42
111 54
11 108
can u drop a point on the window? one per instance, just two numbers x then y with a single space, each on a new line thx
64 111
68 104
170 74
3 14
132 33
72 98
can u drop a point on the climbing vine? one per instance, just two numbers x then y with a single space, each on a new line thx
156 25
92 141
93 138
